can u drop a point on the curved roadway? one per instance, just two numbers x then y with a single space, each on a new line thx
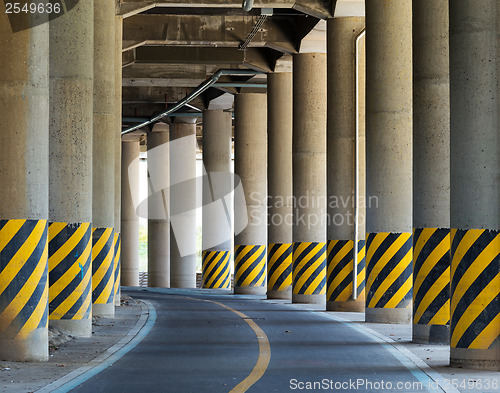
220 343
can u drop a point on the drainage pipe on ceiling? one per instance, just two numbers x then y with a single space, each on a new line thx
199 90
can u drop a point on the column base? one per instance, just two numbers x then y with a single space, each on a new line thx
485 359
431 334
347 306
73 327
35 348
285 295
388 315
103 310
309 299
118 297
249 290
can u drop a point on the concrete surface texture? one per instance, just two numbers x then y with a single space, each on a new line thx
431 166
475 165
183 199
342 121
346 147
250 152
24 176
389 115
103 139
158 205
217 130
70 146
279 177
129 219
309 173
389 145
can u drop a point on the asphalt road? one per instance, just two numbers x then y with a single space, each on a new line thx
203 346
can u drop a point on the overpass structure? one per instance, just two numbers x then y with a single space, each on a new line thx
366 160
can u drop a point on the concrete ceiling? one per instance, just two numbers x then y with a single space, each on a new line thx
170 47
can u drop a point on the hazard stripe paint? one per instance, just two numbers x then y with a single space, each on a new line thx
279 266
389 270
216 269
70 263
475 288
117 264
431 276
23 277
102 266
309 268
339 270
250 266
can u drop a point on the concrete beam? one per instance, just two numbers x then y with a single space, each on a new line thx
259 59
320 8
279 33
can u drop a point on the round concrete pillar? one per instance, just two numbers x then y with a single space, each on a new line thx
103 184
279 175
389 161
431 172
70 167
250 164
129 219
24 176
183 205
343 129
158 206
475 195
309 178
118 155
217 209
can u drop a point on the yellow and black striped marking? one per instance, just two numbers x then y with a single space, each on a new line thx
475 289
309 268
102 266
339 270
250 266
431 276
279 266
216 269
70 271
117 262
389 270
24 288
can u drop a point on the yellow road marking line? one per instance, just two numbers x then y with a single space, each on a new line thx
264 349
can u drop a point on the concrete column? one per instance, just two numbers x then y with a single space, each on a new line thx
309 178
250 164
183 205
103 184
389 161
158 205
118 155
431 172
344 58
279 175
130 220
24 123
70 193
475 192
217 212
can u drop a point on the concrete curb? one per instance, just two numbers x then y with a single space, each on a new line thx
111 355
407 358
